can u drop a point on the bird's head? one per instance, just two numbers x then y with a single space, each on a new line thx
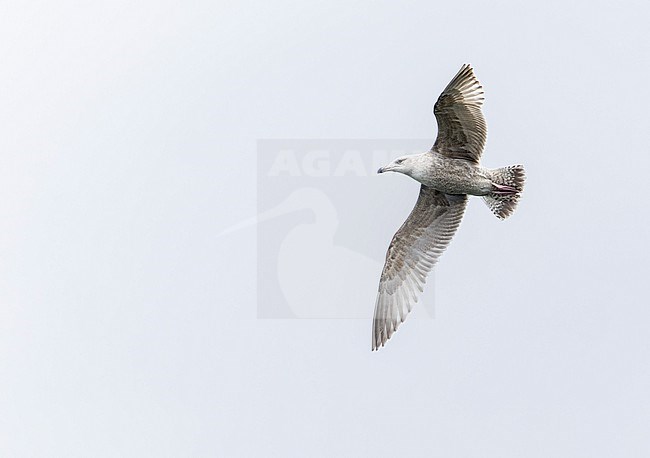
404 164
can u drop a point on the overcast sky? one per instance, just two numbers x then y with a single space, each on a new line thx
131 326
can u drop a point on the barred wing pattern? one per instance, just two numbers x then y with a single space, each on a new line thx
412 253
461 126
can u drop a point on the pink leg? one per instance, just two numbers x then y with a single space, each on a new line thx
503 189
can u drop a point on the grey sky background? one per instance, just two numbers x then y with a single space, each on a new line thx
128 327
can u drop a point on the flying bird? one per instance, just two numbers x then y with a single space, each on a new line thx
448 173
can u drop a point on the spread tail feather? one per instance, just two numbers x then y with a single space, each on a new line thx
507 185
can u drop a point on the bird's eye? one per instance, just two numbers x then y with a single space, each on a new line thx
399 161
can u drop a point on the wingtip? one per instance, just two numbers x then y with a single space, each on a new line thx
377 342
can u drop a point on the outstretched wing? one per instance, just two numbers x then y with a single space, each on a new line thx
461 126
412 253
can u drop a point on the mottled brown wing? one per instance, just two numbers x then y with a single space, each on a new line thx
461 126
412 253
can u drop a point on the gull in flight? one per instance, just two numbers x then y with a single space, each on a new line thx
448 173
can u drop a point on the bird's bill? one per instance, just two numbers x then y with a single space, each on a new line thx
394 166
